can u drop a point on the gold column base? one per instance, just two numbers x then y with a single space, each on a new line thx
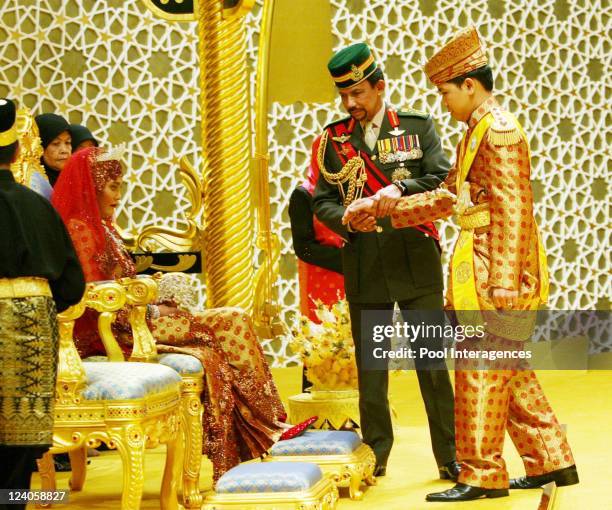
321 496
335 409
350 470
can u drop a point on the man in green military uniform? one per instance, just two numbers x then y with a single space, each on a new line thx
384 152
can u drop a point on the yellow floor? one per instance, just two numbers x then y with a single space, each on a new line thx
581 400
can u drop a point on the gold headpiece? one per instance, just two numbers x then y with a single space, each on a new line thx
462 54
115 152
105 165
10 135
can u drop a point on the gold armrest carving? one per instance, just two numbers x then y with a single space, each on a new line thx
70 372
140 292
107 298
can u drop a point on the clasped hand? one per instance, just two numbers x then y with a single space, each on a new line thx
361 214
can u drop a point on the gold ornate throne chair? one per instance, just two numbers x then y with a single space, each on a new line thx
142 291
128 406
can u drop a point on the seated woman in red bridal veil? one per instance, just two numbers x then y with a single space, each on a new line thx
243 414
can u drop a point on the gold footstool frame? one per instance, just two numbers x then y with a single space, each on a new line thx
345 470
321 495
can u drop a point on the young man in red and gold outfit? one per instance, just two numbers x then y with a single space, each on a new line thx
498 264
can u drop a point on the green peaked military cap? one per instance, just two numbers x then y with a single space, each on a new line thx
352 65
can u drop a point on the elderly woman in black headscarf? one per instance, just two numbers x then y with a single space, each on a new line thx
56 141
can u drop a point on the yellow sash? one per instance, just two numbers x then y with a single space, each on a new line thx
465 297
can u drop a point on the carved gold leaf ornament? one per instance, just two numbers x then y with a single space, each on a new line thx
140 292
175 239
71 378
107 298
30 149
143 262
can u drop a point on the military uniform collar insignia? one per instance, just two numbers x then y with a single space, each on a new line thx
344 131
343 138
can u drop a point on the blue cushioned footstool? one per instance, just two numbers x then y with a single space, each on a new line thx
273 485
340 454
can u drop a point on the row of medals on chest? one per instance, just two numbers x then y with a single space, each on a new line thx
398 149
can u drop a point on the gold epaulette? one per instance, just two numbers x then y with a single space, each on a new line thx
411 112
504 130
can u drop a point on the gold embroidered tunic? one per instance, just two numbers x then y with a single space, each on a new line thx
505 251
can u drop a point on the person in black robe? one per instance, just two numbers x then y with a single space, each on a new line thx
40 275
56 141
305 244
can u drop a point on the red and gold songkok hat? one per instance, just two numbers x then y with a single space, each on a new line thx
462 54
8 124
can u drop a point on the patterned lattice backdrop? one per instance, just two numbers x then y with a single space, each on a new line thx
132 77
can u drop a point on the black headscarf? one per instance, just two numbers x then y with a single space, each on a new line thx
80 134
50 126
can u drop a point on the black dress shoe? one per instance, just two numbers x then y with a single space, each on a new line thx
561 477
380 470
450 471
463 492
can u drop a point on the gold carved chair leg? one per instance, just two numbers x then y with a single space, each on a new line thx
78 462
46 470
191 413
130 442
168 493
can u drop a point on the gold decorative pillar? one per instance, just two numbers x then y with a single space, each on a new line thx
265 311
226 140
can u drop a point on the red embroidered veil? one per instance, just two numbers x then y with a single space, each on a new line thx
95 240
